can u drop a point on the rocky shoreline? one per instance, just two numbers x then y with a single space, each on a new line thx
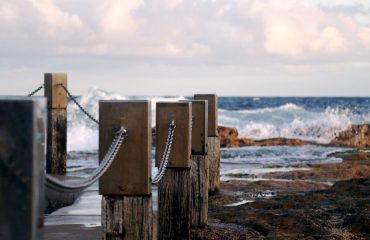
328 201
356 136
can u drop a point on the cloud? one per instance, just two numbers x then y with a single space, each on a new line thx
8 12
116 18
299 29
222 32
172 4
54 20
364 36
194 49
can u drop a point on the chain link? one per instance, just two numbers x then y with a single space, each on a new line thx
75 101
103 167
36 90
166 153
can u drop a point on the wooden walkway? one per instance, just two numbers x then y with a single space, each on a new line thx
72 232
82 220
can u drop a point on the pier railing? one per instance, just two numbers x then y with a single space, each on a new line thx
187 157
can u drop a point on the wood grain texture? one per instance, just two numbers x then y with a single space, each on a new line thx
199 131
174 205
127 217
199 188
55 94
130 172
180 112
212 112
213 157
56 150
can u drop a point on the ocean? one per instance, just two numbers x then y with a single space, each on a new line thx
317 119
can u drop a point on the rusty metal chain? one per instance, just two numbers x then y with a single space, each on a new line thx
78 105
166 153
36 90
98 172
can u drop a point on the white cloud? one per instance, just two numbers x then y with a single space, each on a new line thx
55 21
226 32
116 17
194 50
364 36
298 29
8 12
329 40
172 4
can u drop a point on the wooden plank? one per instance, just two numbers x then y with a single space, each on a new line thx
127 217
112 215
22 157
130 172
213 158
137 218
180 112
212 112
199 127
199 188
56 95
56 151
174 205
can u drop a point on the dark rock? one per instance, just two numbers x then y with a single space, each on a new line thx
339 212
357 136
215 231
229 138
281 142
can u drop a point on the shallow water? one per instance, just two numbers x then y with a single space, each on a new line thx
314 119
247 163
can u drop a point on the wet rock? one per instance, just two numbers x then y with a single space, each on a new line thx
357 136
229 138
339 212
304 205
215 231
281 142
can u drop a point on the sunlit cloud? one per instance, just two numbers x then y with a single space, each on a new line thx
247 36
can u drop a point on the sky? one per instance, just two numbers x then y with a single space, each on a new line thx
182 47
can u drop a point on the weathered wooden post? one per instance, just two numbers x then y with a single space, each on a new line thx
213 142
199 164
174 190
56 150
22 157
126 186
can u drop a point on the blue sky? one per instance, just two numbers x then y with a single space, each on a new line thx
178 47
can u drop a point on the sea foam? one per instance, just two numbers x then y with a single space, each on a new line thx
82 132
289 120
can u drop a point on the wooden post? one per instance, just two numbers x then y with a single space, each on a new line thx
174 190
199 161
126 186
213 142
22 157
56 150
